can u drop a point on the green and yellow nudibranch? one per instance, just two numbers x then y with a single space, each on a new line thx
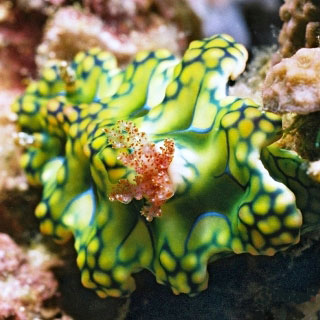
161 137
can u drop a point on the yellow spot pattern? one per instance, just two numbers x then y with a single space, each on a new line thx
232 190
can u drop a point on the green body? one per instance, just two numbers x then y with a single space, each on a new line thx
235 191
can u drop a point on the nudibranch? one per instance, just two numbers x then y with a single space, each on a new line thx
156 167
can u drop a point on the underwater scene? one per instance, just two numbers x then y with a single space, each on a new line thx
160 159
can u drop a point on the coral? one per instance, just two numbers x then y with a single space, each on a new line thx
67 33
111 27
11 175
301 26
26 284
313 34
293 84
234 190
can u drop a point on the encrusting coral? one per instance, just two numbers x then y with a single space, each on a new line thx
292 86
301 26
229 189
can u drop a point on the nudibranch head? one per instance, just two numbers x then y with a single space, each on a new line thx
163 138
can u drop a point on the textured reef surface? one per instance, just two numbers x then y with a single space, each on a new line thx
29 289
301 26
156 167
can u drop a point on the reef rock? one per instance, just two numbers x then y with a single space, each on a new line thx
293 85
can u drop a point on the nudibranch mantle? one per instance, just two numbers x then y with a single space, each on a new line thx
232 189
